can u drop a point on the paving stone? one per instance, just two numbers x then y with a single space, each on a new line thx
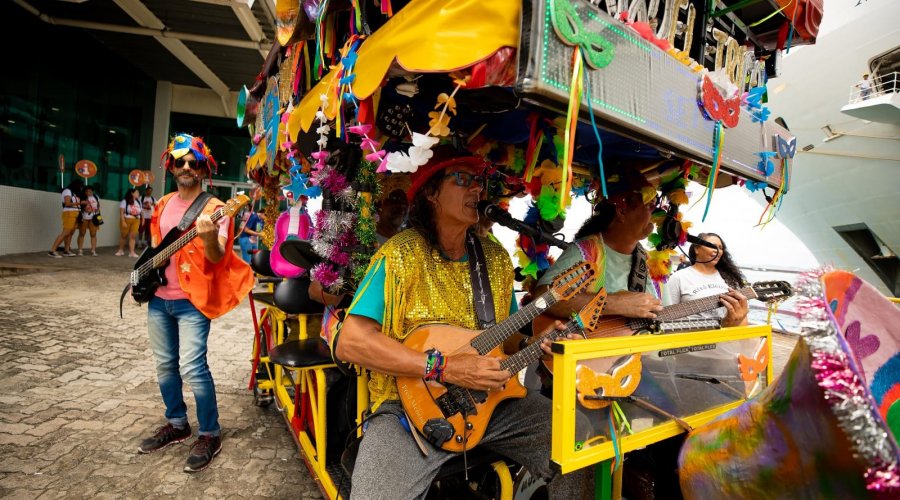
47 427
14 428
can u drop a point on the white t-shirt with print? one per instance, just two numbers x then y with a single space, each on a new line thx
93 206
147 203
68 192
132 212
689 284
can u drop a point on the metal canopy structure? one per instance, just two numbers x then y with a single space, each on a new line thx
211 44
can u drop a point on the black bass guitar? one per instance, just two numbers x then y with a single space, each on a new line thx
150 269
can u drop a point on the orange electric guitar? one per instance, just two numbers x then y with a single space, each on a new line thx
455 418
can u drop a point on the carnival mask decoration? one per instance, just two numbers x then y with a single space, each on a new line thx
717 108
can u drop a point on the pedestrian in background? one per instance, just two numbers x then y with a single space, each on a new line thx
90 209
248 239
147 204
129 222
71 207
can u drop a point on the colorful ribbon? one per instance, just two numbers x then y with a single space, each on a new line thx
577 85
718 141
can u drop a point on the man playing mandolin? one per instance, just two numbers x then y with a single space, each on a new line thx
611 238
204 280
422 276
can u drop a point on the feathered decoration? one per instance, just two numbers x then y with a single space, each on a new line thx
548 203
533 258
659 264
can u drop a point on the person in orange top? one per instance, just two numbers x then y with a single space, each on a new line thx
205 279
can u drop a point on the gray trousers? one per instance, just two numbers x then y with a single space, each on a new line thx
391 466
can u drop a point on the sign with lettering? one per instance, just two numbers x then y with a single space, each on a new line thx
643 92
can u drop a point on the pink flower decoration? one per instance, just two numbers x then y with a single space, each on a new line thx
376 156
361 129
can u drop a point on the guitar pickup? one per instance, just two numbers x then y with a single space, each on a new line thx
459 400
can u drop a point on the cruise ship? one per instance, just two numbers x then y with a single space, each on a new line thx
843 201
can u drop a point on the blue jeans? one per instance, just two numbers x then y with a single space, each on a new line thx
246 247
178 331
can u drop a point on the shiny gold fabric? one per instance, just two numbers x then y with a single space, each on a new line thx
422 287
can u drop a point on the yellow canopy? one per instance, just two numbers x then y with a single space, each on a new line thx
435 36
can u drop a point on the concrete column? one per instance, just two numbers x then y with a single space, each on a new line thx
161 117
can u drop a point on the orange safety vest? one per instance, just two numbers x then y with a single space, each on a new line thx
214 289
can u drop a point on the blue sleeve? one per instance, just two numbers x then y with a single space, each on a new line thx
369 299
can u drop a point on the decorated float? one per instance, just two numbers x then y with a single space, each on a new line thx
355 95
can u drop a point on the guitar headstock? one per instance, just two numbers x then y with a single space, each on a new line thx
573 280
772 291
233 205
589 315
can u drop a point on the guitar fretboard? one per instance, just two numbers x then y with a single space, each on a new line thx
683 309
489 339
166 253
518 361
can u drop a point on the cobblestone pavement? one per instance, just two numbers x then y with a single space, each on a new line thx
78 392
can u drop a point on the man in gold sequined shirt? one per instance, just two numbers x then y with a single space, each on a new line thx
421 276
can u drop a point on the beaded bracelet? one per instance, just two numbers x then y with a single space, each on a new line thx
439 369
434 365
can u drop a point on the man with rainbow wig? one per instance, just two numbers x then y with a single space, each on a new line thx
204 280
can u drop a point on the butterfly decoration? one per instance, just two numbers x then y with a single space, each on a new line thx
787 148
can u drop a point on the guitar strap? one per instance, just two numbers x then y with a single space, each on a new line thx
637 278
481 285
194 210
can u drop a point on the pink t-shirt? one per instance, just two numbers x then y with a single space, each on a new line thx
171 216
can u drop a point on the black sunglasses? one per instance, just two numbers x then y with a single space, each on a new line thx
180 162
465 179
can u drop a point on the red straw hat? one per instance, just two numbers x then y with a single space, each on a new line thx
444 156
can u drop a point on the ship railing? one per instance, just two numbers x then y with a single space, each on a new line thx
878 86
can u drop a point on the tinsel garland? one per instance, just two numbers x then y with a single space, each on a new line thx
333 239
845 392
270 213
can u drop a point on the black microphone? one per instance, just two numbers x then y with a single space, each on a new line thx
700 241
670 230
503 218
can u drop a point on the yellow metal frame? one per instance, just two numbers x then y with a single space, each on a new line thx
563 451
313 449
277 318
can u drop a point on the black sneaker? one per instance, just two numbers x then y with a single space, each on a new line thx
164 436
204 449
